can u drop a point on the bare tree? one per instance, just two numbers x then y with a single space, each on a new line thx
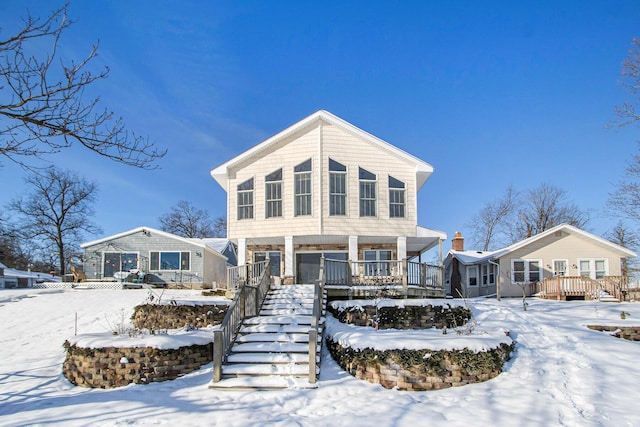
56 212
186 220
220 227
628 111
624 236
42 107
545 207
490 220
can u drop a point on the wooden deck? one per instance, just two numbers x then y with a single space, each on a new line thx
562 288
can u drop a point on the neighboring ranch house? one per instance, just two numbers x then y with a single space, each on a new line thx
160 258
12 278
563 251
324 187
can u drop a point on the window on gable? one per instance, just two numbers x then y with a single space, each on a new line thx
302 188
273 194
245 199
367 193
396 198
337 188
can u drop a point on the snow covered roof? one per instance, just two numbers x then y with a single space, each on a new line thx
423 169
210 244
475 257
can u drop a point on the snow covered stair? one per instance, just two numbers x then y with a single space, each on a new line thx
271 351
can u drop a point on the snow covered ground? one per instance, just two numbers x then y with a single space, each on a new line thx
561 374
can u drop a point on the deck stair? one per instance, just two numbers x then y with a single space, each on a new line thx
271 350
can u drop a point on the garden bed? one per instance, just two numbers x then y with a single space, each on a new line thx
414 356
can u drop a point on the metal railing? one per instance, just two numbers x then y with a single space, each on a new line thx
318 306
246 303
245 274
400 273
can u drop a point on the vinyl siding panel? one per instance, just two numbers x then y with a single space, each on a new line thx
563 246
319 143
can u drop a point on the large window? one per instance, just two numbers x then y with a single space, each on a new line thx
169 261
379 262
119 261
273 194
302 188
245 199
337 188
367 192
525 271
396 198
593 268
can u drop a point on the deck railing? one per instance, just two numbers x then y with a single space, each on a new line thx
245 274
577 286
400 273
246 303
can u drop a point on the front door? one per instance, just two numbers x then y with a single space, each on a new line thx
308 267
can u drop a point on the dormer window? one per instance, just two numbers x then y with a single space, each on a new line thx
273 194
302 188
337 188
396 198
245 200
367 192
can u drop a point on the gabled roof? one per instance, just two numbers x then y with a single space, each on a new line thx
209 244
475 257
423 170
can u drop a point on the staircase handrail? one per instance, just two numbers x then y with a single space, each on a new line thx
248 298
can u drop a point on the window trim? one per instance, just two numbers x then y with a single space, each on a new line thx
527 270
302 170
270 202
476 276
342 173
593 273
393 190
372 202
248 208
159 261
566 265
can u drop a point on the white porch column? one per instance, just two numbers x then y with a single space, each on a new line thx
288 256
353 248
242 251
402 248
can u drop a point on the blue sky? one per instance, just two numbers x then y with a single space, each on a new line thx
490 93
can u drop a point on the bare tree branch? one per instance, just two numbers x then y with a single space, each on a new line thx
42 107
186 220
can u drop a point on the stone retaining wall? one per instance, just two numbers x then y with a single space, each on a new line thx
170 316
116 367
418 370
631 333
407 317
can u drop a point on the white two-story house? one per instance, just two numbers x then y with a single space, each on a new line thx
324 187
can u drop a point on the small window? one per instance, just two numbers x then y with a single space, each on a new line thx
367 193
245 200
472 275
525 271
302 188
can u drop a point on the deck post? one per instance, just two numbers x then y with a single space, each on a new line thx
217 355
349 273
243 308
313 342
558 288
405 274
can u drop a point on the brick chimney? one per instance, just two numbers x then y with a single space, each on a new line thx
457 244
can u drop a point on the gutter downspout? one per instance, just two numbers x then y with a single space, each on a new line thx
497 278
